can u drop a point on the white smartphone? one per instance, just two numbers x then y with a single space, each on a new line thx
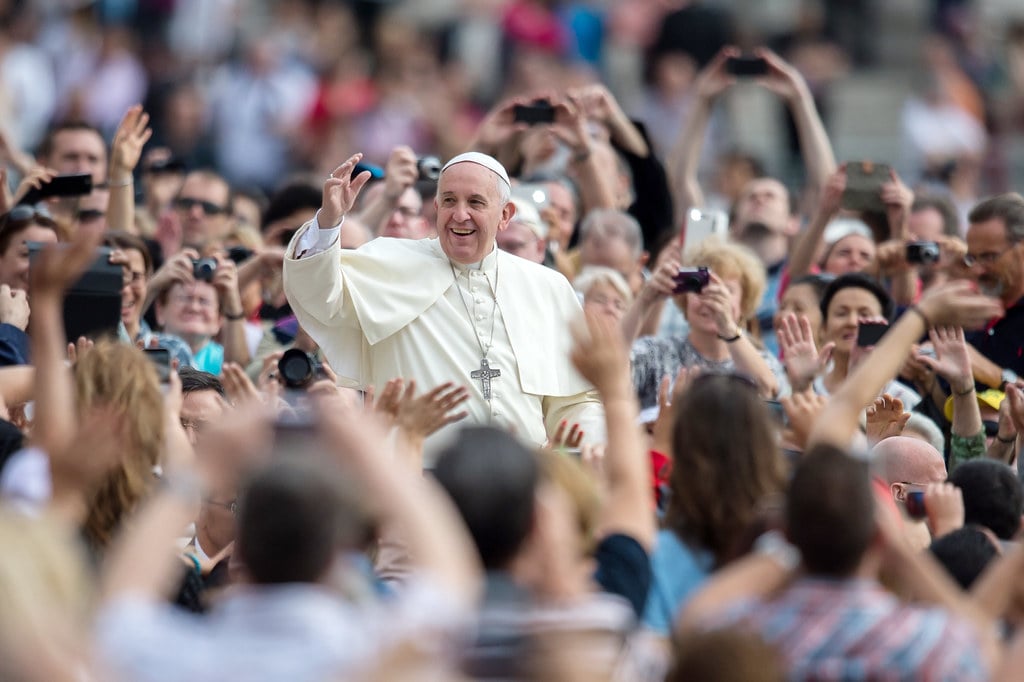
701 224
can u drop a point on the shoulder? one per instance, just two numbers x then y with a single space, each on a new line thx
534 272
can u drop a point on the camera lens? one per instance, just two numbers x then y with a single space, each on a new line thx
204 269
296 368
429 168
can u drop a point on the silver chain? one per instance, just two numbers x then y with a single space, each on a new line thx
494 307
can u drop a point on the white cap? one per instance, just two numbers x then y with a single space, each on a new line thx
527 214
488 162
840 228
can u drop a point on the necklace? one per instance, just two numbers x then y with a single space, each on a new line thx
486 372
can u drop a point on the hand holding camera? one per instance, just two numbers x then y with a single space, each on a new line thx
400 172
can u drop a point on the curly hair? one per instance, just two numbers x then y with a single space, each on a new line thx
726 462
732 260
120 375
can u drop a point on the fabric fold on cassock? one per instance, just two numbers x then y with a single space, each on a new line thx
384 304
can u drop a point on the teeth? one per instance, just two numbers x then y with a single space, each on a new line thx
463 233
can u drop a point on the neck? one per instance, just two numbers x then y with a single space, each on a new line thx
205 542
132 328
709 345
772 249
840 368
195 341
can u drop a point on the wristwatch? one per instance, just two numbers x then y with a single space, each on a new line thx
1007 376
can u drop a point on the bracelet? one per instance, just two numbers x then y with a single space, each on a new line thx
924 318
126 183
967 391
730 339
195 562
1006 441
234 318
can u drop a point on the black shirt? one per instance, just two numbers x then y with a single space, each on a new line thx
1003 342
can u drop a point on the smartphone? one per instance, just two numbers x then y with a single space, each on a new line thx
60 186
747 66
870 333
239 254
864 180
534 192
534 113
914 504
701 224
161 359
923 253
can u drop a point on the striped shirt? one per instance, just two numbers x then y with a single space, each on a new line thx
855 630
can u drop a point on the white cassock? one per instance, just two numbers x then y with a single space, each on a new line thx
392 308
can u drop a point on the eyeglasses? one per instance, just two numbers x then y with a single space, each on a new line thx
88 215
232 506
133 277
987 258
24 213
209 208
407 211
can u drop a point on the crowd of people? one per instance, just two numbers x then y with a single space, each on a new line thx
412 376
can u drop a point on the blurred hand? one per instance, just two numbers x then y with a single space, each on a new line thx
832 194
714 79
662 283
665 423
400 172
131 136
891 257
78 349
562 440
782 78
800 356
14 308
238 386
35 179
944 504
57 266
802 409
898 199
958 304
885 418
952 360
499 125
600 354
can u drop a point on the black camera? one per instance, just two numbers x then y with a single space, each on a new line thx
692 280
536 112
429 168
299 369
925 253
204 269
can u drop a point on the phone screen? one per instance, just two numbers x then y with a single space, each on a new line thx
161 359
870 333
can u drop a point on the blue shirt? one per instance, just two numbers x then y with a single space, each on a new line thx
678 571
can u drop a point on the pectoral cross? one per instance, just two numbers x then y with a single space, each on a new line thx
485 374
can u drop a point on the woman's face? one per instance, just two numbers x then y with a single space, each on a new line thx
800 299
844 310
133 293
852 253
603 299
701 316
191 311
14 261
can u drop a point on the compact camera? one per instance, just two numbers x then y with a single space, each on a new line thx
204 269
692 280
429 168
924 253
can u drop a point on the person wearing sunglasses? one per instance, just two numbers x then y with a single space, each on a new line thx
203 206
20 225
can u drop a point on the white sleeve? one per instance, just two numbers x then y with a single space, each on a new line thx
317 239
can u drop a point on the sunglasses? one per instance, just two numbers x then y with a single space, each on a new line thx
208 207
24 213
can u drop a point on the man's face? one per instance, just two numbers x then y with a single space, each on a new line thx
997 261
133 293
191 311
520 240
852 253
560 214
926 225
202 206
616 254
469 212
199 409
764 201
79 151
92 209
405 221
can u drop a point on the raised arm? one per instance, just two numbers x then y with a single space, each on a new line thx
131 136
952 362
806 246
400 173
232 332
594 178
684 159
952 304
602 357
652 296
600 105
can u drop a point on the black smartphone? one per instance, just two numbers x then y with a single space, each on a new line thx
239 254
870 333
747 66
914 504
161 359
60 186
864 180
923 253
534 113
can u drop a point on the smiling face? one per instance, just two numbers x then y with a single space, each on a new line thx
133 293
844 310
701 316
852 253
14 262
470 212
998 266
190 311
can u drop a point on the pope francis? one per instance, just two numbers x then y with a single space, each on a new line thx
454 308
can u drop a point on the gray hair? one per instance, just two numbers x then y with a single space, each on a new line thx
592 275
927 428
1009 207
610 222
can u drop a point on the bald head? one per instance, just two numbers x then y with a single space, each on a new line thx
901 459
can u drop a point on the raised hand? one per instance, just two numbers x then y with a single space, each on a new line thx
718 297
400 172
782 78
662 283
714 79
78 349
34 179
802 409
832 194
944 504
566 441
601 356
14 308
663 425
238 386
499 125
340 191
958 304
132 135
800 355
952 360
898 199
885 418
58 266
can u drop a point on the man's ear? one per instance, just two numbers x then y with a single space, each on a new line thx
644 258
898 493
507 212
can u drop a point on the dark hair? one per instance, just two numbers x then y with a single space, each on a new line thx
857 280
964 553
19 218
992 495
208 175
818 283
292 197
1008 207
293 517
830 511
193 380
46 146
492 479
944 207
725 655
726 462
127 241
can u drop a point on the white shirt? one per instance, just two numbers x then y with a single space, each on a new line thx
443 341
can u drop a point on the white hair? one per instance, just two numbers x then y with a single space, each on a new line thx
927 428
592 275
611 222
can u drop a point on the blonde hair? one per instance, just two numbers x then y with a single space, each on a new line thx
120 375
592 275
568 473
731 260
